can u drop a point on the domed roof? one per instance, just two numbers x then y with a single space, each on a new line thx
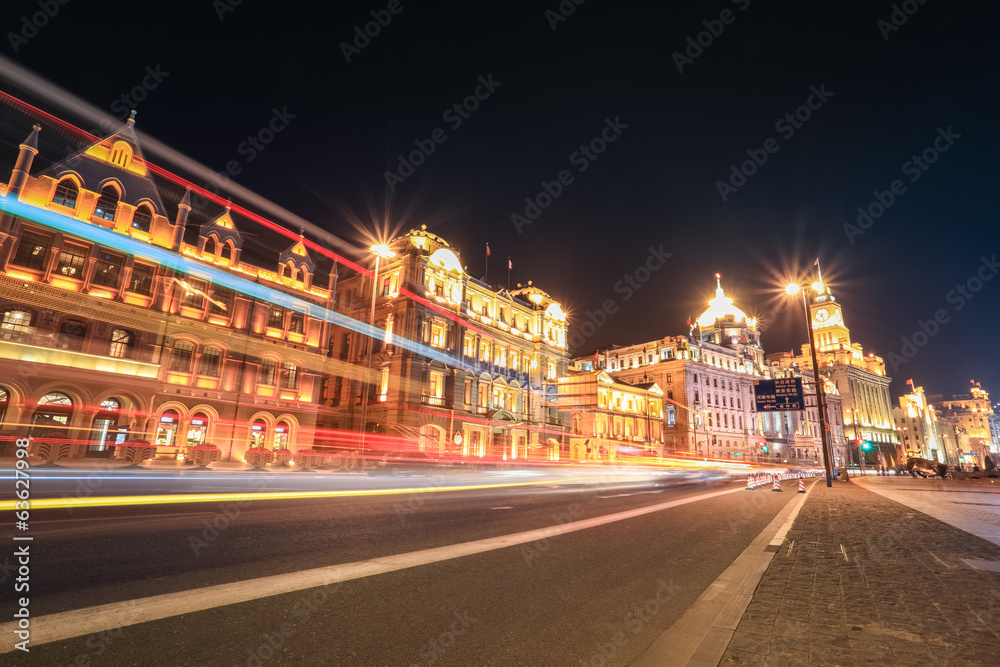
720 307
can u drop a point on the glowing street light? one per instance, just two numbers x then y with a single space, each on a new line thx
792 289
381 251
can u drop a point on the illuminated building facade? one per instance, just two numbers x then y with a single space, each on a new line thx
706 378
794 435
484 386
860 379
124 319
917 426
968 419
609 419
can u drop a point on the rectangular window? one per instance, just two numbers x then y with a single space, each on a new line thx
469 345
437 334
501 357
266 376
514 361
72 259
32 251
483 395
383 392
221 302
181 360
141 281
194 293
289 376
107 269
484 352
210 362
297 323
436 388
551 374
468 392
276 318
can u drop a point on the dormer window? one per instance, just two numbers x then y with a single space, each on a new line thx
227 252
211 246
121 154
142 218
66 193
107 203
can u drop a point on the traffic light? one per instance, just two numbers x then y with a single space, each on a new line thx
866 446
764 448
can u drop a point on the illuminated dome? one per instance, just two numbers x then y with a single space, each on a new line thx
721 307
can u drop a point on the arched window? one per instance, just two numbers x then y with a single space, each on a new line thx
211 247
289 376
121 344
142 218
66 193
72 334
107 203
258 434
4 402
51 418
210 359
105 430
180 362
14 326
227 251
281 433
166 432
197 429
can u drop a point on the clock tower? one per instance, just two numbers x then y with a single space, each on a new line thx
827 320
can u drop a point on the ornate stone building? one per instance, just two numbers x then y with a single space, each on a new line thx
482 384
126 319
860 379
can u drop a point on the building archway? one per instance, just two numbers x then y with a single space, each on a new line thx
431 439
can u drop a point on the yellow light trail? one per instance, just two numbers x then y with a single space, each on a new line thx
119 501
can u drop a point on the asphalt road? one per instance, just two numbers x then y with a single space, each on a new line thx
596 596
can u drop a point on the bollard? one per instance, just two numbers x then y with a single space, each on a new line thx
802 486
777 485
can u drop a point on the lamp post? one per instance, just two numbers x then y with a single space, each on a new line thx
381 251
820 396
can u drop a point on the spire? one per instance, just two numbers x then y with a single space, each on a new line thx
718 286
29 149
131 118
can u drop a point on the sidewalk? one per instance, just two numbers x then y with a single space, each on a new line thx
864 580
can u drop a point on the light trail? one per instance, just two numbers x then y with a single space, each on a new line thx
132 501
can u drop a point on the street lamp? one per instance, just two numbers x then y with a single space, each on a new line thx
820 397
380 250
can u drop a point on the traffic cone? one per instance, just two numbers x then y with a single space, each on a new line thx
777 485
749 482
802 486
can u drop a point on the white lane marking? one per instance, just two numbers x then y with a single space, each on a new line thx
143 517
635 493
505 507
80 622
939 560
844 551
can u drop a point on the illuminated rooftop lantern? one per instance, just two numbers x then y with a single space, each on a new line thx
721 307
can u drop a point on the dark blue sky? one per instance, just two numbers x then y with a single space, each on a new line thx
655 184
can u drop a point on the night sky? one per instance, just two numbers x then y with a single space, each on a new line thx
886 91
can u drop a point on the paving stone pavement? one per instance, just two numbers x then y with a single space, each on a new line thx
863 580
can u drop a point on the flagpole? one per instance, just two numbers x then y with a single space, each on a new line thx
508 273
487 276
